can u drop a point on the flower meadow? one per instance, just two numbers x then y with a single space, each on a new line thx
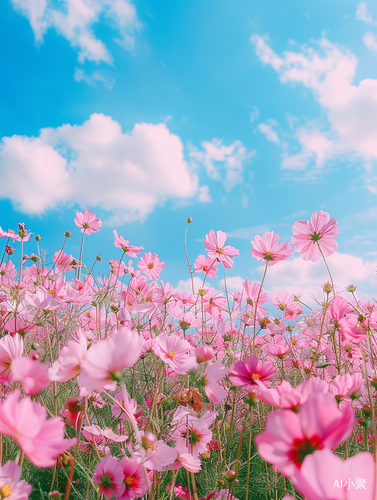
122 387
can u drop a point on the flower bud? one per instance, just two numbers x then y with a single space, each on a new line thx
189 220
327 288
37 238
230 475
351 288
67 234
148 440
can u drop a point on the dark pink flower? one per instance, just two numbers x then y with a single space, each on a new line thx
247 372
319 231
109 476
134 479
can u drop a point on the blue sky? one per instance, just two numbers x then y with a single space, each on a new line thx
242 115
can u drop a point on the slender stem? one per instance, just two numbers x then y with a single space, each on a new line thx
256 305
81 250
73 460
5 250
188 261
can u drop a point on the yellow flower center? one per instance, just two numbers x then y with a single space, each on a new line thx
256 376
171 354
129 480
150 265
6 491
220 251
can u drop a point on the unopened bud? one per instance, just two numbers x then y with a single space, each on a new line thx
148 440
189 220
37 238
202 292
9 250
251 399
54 494
327 288
34 257
351 288
99 258
67 234
230 475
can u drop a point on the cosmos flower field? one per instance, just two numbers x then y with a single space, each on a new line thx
123 387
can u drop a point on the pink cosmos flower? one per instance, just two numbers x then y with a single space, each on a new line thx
251 291
70 359
344 386
277 327
289 437
130 250
88 222
215 246
204 353
185 458
25 421
10 485
106 360
309 235
175 352
212 374
278 350
283 300
150 265
247 372
159 456
126 402
15 236
268 249
11 347
63 261
134 479
109 475
323 476
32 374
206 265
282 396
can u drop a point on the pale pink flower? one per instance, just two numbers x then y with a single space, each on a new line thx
204 353
159 455
175 352
212 374
106 360
134 479
63 261
283 300
351 329
15 236
344 386
289 437
206 265
323 476
88 222
32 374
277 327
185 458
7 272
150 265
11 347
320 231
129 404
282 396
130 250
268 249
109 476
278 350
247 372
25 421
216 248
70 359
11 486
251 291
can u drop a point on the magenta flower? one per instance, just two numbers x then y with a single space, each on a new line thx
215 246
320 231
268 249
25 421
247 372
150 265
130 250
289 437
88 222
109 476
10 485
134 479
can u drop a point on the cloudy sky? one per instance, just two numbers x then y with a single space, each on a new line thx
244 115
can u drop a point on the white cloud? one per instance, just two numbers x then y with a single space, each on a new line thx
92 77
363 15
306 278
254 115
267 130
186 285
74 20
233 283
370 41
204 195
97 165
223 163
328 71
